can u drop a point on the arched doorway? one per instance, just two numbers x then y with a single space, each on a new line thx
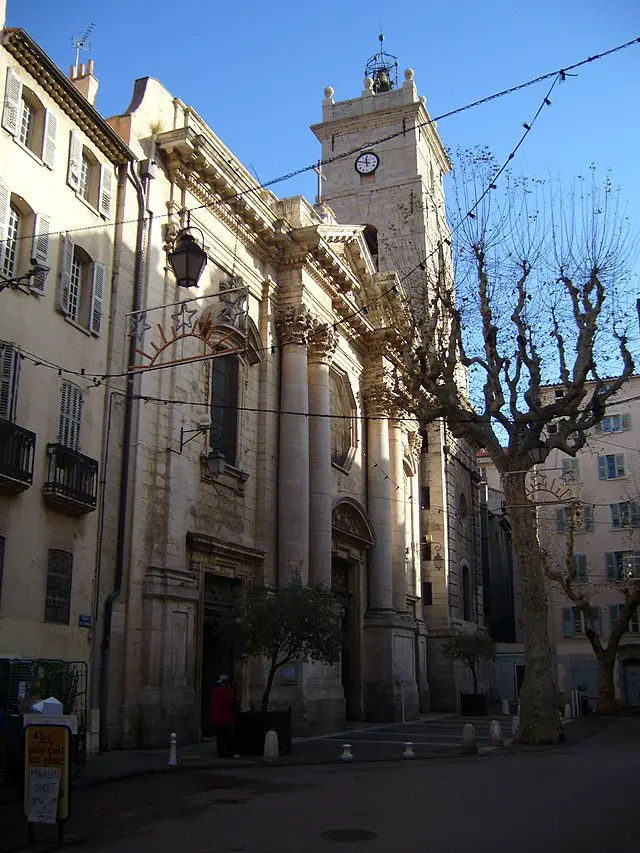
352 536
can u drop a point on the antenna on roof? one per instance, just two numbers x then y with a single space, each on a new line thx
83 42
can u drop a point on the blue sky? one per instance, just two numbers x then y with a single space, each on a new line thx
256 72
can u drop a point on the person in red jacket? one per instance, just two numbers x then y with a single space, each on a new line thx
222 716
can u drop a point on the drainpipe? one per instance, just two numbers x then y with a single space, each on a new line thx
105 652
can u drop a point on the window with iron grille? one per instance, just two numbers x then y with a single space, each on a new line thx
57 606
224 406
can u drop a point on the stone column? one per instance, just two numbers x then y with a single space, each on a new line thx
380 567
398 515
322 344
294 324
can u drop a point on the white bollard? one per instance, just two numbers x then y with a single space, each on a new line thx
408 750
495 733
505 707
173 758
567 712
271 746
469 745
347 755
515 725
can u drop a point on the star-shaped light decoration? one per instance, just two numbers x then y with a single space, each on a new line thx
234 308
184 318
139 326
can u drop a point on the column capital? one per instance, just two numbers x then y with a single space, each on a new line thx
378 400
322 343
294 324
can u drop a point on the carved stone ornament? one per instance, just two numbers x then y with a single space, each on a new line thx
295 323
322 343
379 400
346 519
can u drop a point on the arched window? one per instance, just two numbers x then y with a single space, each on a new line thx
224 406
342 427
371 239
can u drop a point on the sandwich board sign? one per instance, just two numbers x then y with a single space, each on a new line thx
47 756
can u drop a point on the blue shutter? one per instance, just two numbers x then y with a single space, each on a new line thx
602 467
626 422
568 622
596 615
610 563
635 513
614 615
587 517
560 520
619 464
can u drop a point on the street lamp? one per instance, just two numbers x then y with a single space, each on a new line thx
188 258
215 462
438 560
538 454
36 271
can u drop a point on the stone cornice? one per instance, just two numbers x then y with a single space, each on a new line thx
54 82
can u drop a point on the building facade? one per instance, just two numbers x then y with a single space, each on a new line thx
604 480
59 168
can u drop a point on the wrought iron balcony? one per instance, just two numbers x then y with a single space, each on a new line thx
72 480
17 449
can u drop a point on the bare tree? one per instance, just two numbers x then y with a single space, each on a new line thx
534 300
586 594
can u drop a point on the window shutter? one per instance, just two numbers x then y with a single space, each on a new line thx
97 297
587 517
568 622
9 370
75 161
614 615
619 464
49 139
614 509
5 197
626 422
64 289
71 403
598 428
40 250
610 563
560 520
580 567
106 191
12 96
596 615
635 514
602 467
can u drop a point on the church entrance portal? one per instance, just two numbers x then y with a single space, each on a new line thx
218 653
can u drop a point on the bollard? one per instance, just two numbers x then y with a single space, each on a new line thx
173 758
408 750
495 733
567 712
271 746
347 755
515 725
469 745
505 707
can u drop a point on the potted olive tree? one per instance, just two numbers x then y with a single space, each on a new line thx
283 624
471 650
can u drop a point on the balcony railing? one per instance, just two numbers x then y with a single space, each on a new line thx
72 480
17 449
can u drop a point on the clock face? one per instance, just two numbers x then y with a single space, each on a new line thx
367 163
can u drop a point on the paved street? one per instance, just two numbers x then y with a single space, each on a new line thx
580 798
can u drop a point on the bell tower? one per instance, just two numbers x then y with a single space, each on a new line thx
384 164
383 167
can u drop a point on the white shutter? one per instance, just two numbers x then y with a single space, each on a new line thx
97 297
75 161
106 191
12 98
587 518
619 464
5 197
71 402
64 288
49 138
9 371
626 422
40 250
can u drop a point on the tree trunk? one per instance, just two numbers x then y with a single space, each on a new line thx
606 700
475 679
539 722
267 689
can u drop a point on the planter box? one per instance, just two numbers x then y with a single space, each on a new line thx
252 726
473 704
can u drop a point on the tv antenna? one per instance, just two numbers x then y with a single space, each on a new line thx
83 42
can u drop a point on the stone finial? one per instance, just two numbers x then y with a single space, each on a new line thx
409 74
423 100
368 86
328 95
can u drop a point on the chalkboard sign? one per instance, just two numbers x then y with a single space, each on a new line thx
46 777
